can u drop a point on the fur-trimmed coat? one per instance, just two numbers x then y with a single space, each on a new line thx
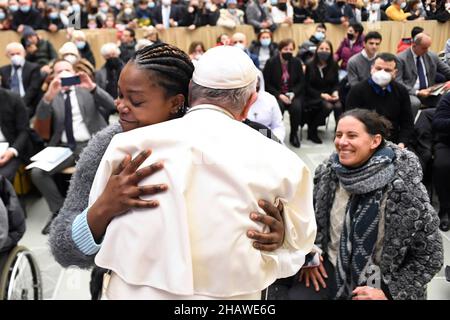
412 248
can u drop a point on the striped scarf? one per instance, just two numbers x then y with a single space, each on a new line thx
359 234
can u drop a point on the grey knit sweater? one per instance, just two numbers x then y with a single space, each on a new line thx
62 246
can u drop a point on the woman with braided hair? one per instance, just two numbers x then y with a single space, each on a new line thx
153 87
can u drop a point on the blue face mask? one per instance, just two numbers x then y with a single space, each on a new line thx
151 5
14 8
53 15
76 8
2 15
319 35
265 42
25 8
80 45
274 2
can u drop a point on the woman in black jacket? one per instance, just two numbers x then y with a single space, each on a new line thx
321 77
284 79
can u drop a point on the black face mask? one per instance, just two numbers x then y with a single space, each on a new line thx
114 63
282 6
340 4
287 56
323 55
350 36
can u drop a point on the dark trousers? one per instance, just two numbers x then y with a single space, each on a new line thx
45 183
295 112
316 115
441 175
9 169
291 289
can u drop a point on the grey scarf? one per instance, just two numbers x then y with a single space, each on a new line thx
359 234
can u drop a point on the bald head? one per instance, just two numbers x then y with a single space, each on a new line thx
239 37
421 44
15 48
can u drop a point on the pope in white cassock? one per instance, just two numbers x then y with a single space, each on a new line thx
194 245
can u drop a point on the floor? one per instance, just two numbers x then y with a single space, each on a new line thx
73 283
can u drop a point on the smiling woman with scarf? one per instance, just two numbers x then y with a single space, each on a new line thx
376 228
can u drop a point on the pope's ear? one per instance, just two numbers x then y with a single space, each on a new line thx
248 105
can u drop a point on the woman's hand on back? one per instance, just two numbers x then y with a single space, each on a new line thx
123 193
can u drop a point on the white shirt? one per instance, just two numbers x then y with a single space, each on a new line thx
279 16
264 55
266 111
80 131
417 84
165 13
19 74
195 242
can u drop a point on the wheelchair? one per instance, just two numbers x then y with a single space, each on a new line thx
20 277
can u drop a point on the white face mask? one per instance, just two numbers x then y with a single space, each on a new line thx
375 6
403 5
17 60
381 78
128 11
240 46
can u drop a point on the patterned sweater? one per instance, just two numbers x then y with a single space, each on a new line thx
412 249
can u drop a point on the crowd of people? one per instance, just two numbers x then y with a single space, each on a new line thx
54 15
392 115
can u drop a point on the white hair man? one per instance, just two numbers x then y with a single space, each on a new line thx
108 75
21 76
217 169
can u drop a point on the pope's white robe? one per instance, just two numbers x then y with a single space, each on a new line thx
195 242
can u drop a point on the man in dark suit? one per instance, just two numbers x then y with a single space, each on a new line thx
340 13
14 131
21 76
167 15
417 72
76 113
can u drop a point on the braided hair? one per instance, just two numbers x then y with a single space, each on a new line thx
172 66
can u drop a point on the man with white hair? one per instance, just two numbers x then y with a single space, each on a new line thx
79 38
217 168
21 76
108 75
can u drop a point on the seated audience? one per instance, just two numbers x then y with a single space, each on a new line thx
14 127
84 49
264 47
259 16
21 77
86 105
322 80
352 44
284 79
308 48
417 72
406 43
381 93
358 67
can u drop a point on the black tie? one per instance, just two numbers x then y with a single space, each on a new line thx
421 74
68 123
15 82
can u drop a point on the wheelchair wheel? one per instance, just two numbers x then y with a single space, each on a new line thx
20 277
